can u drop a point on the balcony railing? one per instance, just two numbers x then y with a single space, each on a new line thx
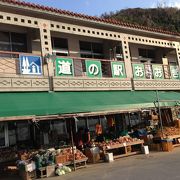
10 63
28 72
86 67
15 63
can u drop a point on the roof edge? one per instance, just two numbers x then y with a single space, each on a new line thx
69 14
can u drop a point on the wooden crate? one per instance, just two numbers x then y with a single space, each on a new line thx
155 147
50 170
129 149
41 172
28 175
167 146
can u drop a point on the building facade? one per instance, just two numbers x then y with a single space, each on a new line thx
56 64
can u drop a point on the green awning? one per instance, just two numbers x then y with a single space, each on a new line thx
51 103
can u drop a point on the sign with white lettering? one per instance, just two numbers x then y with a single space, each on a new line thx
118 70
64 67
138 71
174 72
93 68
158 72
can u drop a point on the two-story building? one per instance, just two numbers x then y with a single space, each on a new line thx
57 65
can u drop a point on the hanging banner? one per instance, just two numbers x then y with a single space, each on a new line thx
174 72
118 70
158 72
166 71
148 71
30 65
93 68
64 67
138 71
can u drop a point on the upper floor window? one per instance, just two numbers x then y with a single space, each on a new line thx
91 50
117 52
146 53
14 42
60 46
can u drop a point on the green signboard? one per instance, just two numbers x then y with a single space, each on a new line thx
174 72
118 70
158 72
93 68
138 71
64 67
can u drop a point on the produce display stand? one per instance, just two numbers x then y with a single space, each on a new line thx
125 149
168 143
176 140
79 163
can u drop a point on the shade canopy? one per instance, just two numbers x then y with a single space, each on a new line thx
52 103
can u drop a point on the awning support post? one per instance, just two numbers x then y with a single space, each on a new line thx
72 144
159 109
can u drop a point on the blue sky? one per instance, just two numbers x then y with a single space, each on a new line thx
97 7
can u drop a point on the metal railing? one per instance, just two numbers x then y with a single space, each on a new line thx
80 66
10 63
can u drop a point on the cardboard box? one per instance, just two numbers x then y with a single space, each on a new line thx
145 150
109 157
30 167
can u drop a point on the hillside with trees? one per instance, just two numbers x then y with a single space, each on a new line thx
167 18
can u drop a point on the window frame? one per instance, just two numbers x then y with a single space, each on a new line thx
91 52
12 43
60 51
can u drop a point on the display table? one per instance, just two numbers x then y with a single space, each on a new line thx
66 158
125 149
79 163
176 140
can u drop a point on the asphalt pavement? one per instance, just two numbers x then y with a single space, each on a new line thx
155 166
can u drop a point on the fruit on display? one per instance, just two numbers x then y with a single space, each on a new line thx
168 131
120 140
25 155
68 154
